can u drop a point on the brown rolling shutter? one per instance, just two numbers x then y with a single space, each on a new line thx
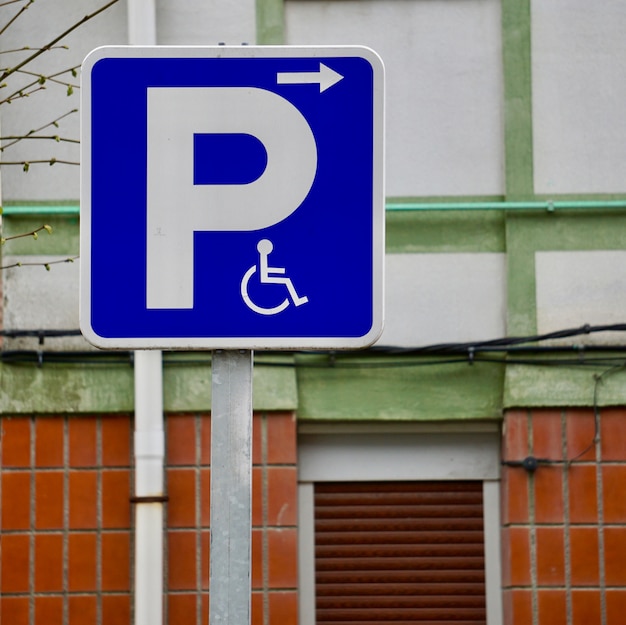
399 553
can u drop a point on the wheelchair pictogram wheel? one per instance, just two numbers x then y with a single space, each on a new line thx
250 304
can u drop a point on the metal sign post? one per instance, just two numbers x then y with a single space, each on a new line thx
231 488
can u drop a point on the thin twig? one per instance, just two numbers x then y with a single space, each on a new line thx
30 48
54 122
17 95
52 43
3 4
56 138
46 266
48 76
42 78
33 233
50 161
40 81
12 20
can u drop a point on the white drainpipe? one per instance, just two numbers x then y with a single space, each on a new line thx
141 22
149 431
149 456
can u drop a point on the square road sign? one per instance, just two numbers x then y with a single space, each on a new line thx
232 197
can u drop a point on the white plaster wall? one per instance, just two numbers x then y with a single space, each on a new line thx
430 298
206 22
578 288
443 64
579 90
40 24
444 298
44 300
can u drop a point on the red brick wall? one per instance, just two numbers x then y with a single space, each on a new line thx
66 521
564 525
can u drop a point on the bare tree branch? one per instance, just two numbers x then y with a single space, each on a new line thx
22 93
3 4
29 48
40 82
54 122
12 20
56 138
42 78
49 161
32 233
52 43
45 265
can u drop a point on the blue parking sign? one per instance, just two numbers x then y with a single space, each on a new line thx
232 197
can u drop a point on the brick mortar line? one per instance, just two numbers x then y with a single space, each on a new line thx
71 593
278 590
32 518
130 531
591 587
600 497
207 465
69 469
511 525
126 530
532 524
203 528
2 440
59 531
566 525
198 517
98 529
66 520
256 465
265 516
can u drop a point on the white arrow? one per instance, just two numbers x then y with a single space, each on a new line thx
326 77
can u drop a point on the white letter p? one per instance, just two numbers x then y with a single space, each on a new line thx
176 207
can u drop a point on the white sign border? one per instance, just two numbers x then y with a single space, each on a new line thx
378 197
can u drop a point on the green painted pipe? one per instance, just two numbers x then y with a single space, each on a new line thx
73 209
543 205
41 209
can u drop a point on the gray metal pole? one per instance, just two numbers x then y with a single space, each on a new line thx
231 488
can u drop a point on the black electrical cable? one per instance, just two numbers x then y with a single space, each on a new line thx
511 349
39 333
531 463
507 342
108 358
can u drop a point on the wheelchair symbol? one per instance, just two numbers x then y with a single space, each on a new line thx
269 275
